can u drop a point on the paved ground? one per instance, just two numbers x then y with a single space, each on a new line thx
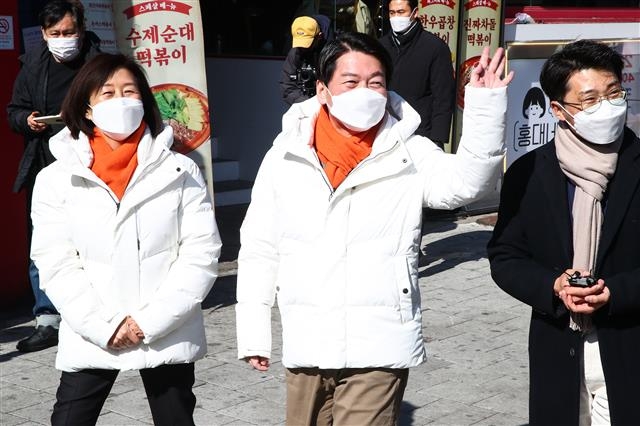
477 372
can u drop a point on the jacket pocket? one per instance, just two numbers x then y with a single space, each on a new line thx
404 288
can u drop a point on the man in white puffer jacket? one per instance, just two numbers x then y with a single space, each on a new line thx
334 228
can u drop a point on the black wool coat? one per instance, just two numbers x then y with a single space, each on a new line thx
423 75
532 245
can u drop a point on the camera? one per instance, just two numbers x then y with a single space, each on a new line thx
576 280
305 78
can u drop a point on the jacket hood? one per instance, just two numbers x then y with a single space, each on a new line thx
399 122
73 151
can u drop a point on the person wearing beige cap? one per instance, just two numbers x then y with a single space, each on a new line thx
298 78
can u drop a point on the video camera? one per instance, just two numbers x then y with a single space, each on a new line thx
305 78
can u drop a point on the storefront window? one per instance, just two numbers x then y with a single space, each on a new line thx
263 27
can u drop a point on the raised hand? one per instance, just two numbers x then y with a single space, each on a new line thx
489 74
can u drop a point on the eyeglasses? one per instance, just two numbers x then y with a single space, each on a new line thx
592 103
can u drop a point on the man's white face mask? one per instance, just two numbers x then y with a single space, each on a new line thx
64 48
603 126
401 23
358 109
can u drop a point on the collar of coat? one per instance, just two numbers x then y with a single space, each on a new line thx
77 152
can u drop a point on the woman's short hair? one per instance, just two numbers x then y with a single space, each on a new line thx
351 42
91 77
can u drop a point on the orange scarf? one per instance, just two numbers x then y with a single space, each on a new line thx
115 166
340 154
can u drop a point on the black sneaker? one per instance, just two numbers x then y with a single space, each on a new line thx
42 338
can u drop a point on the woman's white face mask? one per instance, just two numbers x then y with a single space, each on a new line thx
358 109
118 117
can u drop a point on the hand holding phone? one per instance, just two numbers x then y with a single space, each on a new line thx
48 119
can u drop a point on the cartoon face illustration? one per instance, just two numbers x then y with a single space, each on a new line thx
534 111
534 104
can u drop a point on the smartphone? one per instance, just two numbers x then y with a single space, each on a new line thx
49 119
582 281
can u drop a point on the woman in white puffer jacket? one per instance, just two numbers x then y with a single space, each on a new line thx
126 243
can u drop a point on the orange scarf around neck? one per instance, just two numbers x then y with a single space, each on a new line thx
340 154
115 166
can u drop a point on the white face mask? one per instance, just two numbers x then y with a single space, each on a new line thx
603 126
118 117
64 48
358 109
401 23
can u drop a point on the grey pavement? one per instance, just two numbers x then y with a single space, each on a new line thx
476 337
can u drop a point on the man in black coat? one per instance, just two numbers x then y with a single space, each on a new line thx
40 87
567 241
422 71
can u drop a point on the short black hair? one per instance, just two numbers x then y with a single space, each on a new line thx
412 3
54 11
351 42
91 78
576 56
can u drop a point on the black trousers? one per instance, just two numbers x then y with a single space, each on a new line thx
82 394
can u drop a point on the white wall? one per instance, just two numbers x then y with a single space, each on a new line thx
246 108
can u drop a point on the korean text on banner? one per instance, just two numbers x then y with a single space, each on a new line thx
440 17
480 26
165 37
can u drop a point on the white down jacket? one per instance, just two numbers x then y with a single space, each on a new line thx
153 255
344 263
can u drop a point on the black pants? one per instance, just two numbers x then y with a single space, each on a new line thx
82 394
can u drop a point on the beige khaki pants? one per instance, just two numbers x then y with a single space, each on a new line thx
345 397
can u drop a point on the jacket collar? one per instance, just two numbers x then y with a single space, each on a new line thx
406 37
399 124
77 153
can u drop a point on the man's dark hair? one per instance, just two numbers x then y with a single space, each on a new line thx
351 42
55 10
412 3
576 56
91 78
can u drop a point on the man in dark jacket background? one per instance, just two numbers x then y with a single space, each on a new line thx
39 89
422 70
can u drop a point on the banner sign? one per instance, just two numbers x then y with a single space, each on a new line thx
440 17
166 38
